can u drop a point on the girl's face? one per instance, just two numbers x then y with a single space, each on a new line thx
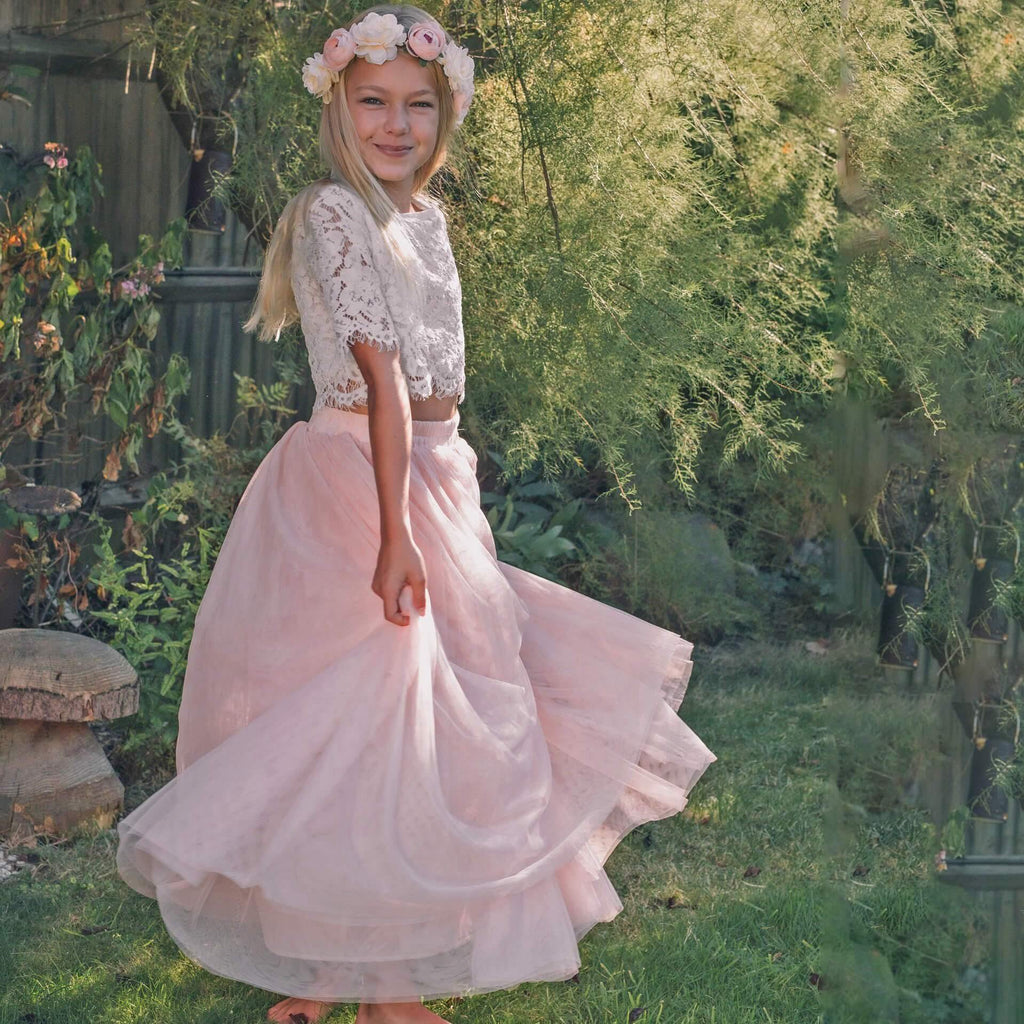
394 109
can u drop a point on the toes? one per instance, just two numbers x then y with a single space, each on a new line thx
287 1011
279 1012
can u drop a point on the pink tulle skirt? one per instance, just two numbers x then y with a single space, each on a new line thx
371 812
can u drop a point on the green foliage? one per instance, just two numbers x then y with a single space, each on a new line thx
954 832
527 521
14 93
668 302
933 218
150 613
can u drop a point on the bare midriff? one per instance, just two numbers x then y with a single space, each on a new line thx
434 407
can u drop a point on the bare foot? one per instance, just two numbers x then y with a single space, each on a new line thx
397 1013
299 1011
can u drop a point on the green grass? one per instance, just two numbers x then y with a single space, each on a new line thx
814 758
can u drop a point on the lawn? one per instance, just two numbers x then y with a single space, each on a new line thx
798 886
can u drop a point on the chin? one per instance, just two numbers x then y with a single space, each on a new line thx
390 170
388 176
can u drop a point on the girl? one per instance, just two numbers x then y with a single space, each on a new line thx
401 763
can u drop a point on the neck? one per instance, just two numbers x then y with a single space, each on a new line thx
400 193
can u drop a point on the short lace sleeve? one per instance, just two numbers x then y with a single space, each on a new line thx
340 258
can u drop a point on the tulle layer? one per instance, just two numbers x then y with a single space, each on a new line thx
370 812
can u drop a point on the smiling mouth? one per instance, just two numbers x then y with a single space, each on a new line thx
394 150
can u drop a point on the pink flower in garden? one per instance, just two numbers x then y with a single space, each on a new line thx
56 155
46 338
339 49
425 40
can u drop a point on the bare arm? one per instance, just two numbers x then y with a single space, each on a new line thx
399 561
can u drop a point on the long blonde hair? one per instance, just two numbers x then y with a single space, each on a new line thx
274 308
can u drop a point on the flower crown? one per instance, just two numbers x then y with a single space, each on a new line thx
376 39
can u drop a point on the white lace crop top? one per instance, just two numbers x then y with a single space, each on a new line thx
348 288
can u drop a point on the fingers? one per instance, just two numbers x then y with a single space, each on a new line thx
393 610
400 581
419 595
414 595
410 596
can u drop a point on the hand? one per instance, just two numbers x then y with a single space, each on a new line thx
400 565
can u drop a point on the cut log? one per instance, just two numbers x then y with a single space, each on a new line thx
54 776
42 500
53 772
52 676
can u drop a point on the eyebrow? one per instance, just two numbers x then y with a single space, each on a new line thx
418 92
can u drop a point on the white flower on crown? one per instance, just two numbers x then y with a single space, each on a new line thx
377 37
317 77
458 66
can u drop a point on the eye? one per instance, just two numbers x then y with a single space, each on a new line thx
424 103
369 99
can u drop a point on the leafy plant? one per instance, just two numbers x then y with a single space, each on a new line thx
151 608
527 521
71 322
9 91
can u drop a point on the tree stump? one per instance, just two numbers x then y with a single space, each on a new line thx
53 772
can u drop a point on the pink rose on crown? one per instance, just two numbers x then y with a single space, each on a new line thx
377 37
425 40
339 49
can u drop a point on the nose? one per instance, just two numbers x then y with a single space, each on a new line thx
397 122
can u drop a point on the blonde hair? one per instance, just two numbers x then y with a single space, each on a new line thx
274 308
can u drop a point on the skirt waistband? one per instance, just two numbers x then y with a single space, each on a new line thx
328 420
